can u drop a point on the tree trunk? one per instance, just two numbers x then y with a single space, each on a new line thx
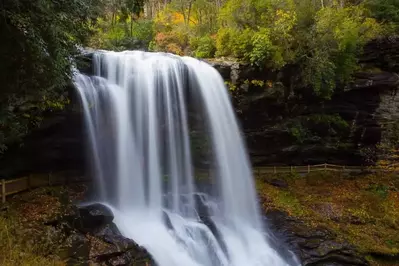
131 26
189 12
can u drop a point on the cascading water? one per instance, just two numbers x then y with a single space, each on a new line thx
137 108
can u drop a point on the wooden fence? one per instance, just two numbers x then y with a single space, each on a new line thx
10 187
14 186
321 167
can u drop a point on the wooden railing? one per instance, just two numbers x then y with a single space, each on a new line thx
14 186
323 167
10 187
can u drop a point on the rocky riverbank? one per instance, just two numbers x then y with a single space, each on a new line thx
333 219
325 219
43 227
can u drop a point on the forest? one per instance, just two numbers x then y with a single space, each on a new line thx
321 38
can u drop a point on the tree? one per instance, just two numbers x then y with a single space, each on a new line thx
323 39
133 8
121 26
386 11
334 44
38 39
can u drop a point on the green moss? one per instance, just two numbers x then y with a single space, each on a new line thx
290 203
379 189
255 82
230 85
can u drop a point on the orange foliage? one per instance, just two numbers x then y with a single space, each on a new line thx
171 42
172 31
177 18
169 19
174 49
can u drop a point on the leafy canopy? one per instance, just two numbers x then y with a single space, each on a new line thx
38 39
323 41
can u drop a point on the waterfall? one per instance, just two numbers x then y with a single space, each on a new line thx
140 109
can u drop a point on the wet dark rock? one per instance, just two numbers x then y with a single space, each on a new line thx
107 230
382 52
204 216
313 246
93 239
225 68
78 251
111 248
166 220
364 80
93 217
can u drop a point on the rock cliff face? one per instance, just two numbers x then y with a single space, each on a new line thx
356 126
57 145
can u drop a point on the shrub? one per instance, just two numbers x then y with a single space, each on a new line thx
386 11
143 30
262 48
120 36
233 42
255 47
203 47
174 49
223 42
241 43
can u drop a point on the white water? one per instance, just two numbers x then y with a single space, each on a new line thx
137 114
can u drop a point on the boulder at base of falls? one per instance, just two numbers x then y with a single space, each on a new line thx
95 240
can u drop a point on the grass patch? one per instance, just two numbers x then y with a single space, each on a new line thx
17 248
24 237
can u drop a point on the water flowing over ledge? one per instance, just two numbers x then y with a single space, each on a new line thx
137 109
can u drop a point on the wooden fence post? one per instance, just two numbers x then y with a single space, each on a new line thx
292 169
308 168
325 167
3 191
275 170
